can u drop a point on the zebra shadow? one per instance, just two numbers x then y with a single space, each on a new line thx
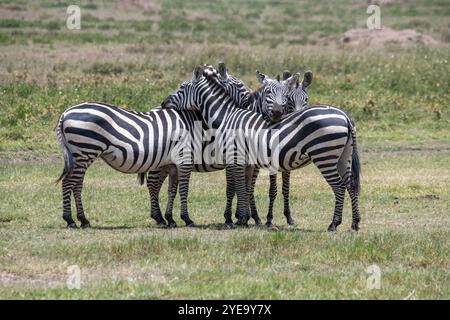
221 226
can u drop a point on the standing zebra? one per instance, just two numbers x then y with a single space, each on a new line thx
130 142
263 101
323 135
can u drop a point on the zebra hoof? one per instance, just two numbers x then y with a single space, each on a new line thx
332 228
290 221
230 225
355 227
161 223
85 225
72 225
191 224
172 225
241 223
269 224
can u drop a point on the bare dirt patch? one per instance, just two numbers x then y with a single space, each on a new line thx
379 38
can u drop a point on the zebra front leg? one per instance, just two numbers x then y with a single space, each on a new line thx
230 190
171 194
272 197
253 210
155 180
285 189
184 174
67 186
79 173
241 192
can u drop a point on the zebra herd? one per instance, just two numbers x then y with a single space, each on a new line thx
214 122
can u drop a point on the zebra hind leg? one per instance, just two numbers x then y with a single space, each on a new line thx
336 183
339 194
155 180
79 173
356 218
67 186
353 191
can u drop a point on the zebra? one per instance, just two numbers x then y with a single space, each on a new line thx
296 96
274 90
297 99
323 135
128 141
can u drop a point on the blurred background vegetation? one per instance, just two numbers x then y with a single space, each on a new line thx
133 53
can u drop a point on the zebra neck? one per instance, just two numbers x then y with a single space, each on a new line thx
216 106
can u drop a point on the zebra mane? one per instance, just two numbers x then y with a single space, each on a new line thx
212 77
253 96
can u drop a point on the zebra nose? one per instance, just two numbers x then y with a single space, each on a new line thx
277 112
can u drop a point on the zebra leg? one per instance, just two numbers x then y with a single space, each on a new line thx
354 196
79 173
241 192
67 186
184 173
171 194
272 196
155 181
344 166
285 189
230 195
253 210
337 185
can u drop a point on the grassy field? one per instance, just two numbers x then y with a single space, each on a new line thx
133 54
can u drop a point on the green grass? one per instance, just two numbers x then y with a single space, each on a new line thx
405 231
134 57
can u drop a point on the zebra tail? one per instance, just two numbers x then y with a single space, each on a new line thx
356 164
141 178
67 155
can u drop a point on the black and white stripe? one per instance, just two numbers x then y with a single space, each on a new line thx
320 134
130 142
263 101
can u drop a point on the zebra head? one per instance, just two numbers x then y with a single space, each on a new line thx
185 97
234 87
298 94
272 97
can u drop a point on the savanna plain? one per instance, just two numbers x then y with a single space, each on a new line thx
135 53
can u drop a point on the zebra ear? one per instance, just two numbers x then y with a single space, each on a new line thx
307 79
197 73
223 72
261 77
286 74
278 77
292 82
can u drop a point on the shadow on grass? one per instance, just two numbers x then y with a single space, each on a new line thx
113 227
221 226
208 226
